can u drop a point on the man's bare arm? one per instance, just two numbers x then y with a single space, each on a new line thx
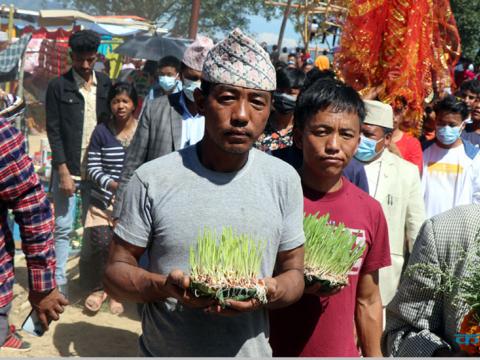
289 281
125 280
369 314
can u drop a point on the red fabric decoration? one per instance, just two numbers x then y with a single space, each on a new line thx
410 47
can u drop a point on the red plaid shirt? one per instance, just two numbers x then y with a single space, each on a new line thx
21 191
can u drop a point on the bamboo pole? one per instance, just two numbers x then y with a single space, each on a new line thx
324 24
306 34
307 9
11 13
284 24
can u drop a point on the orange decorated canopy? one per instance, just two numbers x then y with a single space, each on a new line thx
409 47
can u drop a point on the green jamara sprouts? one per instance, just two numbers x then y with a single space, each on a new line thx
230 262
330 251
443 279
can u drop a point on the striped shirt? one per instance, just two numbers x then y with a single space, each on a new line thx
21 191
105 163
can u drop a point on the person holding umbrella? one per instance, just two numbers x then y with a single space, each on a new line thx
168 123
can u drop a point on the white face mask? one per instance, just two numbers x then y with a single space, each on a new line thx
167 83
189 87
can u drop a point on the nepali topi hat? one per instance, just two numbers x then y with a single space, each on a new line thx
240 61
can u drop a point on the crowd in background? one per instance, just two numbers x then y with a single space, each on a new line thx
358 158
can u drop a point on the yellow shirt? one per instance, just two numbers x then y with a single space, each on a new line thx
89 93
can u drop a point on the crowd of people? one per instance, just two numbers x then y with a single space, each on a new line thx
230 135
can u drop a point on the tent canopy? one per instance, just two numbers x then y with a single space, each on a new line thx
62 17
67 17
125 25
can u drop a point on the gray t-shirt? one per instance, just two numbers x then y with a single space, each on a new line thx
168 202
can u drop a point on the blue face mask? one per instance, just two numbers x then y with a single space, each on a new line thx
189 87
366 150
447 135
167 83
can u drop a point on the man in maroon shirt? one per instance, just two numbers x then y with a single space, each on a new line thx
327 128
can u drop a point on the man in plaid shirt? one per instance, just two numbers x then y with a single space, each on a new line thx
21 191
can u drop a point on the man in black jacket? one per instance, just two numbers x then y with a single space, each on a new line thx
75 102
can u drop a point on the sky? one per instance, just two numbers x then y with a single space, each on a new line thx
268 31
259 27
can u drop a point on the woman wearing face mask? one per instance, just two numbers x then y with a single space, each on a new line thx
278 133
451 165
106 154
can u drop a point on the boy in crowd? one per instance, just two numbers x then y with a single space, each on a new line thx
168 74
469 93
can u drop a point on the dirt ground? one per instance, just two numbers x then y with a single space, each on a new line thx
78 332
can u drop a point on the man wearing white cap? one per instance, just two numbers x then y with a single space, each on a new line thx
168 123
395 183
219 182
